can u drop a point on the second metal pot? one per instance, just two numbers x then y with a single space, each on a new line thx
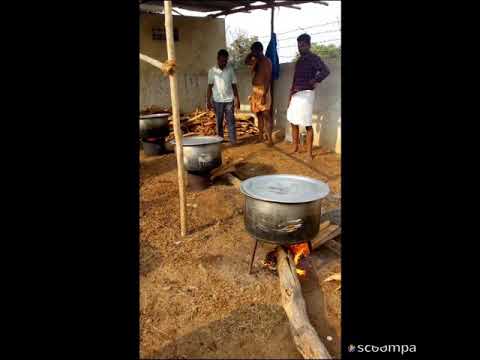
201 154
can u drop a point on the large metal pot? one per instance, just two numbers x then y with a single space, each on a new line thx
283 209
201 154
154 125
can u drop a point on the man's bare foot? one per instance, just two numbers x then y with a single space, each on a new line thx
269 143
309 158
293 150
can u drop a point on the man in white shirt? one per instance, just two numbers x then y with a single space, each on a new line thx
222 85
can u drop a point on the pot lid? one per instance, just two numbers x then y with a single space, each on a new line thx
289 189
152 116
200 140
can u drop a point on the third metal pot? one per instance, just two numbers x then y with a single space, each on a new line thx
153 147
154 125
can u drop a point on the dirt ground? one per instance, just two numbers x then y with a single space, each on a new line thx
197 299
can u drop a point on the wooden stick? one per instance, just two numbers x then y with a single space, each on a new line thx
328 234
166 68
233 180
304 335
324 225
335 246
227 165
183 118
243 137
226 170
189 121
167 6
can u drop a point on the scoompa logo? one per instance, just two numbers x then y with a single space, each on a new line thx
383 348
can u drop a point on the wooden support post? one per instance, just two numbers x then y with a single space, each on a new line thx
176 117
166 68
272 112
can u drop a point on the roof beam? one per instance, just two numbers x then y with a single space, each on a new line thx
205 6
290 2
248 8
292 7
177 12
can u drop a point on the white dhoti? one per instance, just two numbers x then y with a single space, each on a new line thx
301 107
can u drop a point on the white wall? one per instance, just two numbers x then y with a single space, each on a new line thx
196 52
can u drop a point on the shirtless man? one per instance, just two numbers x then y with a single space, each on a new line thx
261 100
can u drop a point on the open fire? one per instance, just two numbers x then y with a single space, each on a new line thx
300 252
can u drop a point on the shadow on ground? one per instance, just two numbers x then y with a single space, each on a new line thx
232 337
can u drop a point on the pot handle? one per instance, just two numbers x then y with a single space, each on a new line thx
288 227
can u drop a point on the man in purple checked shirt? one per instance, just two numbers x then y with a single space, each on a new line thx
309 71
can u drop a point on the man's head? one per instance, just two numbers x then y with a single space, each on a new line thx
257 49
222 58
251 61
303 42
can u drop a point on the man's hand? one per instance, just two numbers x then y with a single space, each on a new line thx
237 104
263 101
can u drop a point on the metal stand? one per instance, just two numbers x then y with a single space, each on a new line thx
253 256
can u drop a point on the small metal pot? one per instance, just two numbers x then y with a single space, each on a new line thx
202 154
283 209
153 148
154 125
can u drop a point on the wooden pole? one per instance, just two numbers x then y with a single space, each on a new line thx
166 68
272 112
176 117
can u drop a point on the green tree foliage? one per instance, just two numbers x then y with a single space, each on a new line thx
324 51
239 48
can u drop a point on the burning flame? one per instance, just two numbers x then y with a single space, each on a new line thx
299 251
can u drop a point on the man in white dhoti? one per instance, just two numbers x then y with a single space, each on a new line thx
309 71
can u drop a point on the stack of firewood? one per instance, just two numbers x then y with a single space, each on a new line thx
203 123
245 126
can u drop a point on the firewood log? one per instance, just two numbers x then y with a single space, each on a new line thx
304 335
225 169
331 232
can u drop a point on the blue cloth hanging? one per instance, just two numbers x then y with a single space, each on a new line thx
272 54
